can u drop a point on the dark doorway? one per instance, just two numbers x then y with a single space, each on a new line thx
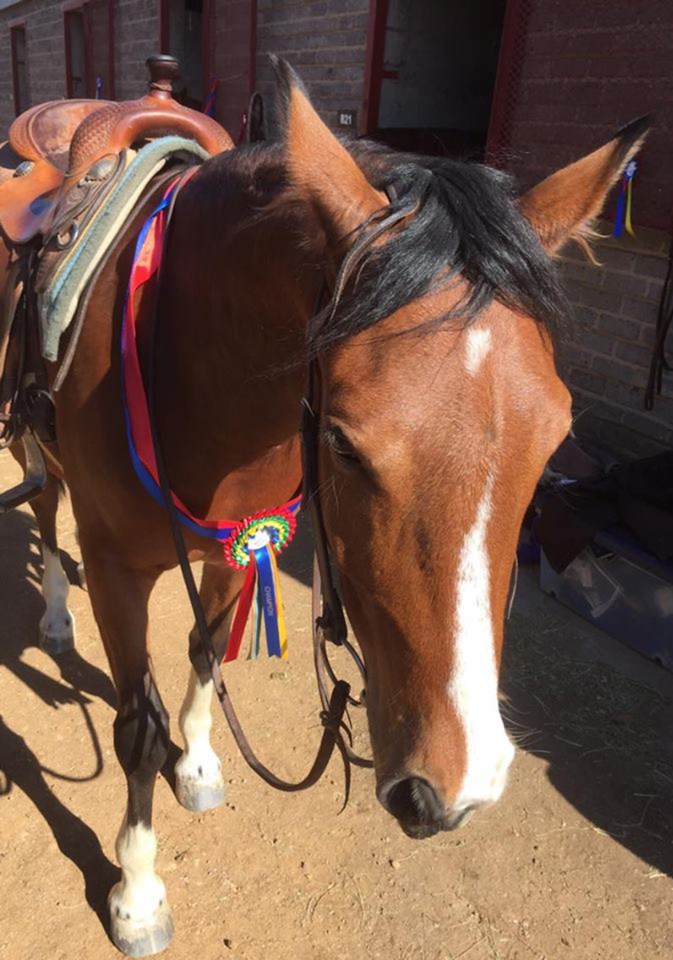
432 87
89 58
185 32
77 72
19 68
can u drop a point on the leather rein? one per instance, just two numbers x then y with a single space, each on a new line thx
329 622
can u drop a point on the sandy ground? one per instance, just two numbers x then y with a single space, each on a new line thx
576 860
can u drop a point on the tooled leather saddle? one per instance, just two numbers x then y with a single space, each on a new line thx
60 162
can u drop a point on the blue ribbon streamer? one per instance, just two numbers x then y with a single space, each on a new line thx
621 207
266 591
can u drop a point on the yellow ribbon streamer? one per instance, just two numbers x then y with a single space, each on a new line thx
628 226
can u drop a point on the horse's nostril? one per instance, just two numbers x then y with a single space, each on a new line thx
412 801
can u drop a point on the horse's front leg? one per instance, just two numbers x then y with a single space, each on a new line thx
140 917
198 778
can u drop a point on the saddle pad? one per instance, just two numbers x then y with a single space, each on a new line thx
57 303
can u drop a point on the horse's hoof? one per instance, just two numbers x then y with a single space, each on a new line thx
198 780
197 796
140 939
57 635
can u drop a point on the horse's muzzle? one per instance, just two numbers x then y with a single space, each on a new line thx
417 807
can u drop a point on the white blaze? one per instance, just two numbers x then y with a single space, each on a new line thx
478 346
473 688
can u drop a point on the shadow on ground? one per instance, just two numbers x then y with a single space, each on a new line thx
22 606
606 736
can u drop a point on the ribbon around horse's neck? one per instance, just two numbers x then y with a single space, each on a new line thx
250 544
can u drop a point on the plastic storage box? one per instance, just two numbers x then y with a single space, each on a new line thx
622 589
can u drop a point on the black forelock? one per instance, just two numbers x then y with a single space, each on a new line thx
461 221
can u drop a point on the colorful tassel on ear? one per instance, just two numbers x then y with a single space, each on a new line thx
623 215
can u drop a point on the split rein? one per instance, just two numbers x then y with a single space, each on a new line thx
329 622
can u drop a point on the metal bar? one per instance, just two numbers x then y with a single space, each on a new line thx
376 38
253 48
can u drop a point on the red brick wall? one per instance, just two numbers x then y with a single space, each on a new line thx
231 60
605 351
589 66
136 37
45 49
324 40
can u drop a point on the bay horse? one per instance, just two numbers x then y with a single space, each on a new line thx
439 407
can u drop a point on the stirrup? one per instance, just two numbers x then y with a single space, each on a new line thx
35 477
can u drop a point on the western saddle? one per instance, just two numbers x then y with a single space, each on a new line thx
58 151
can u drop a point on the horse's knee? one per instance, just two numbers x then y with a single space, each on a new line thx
197 656
141 738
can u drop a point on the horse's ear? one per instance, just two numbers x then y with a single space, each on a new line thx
320 168
562 207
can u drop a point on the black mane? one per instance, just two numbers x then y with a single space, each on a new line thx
465 223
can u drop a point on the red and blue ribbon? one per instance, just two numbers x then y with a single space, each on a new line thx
251 544
209 103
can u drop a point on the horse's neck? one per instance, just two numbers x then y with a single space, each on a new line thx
234 309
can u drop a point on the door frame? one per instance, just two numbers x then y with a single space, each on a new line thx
83 7
374 52
510 58
207 12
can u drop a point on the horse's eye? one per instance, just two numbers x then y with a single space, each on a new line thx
340 445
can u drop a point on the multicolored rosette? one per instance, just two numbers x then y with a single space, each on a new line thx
252 545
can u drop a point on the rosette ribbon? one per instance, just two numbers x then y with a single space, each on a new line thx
253 546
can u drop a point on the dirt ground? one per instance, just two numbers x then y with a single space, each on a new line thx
576 861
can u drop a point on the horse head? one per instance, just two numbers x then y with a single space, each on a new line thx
440 405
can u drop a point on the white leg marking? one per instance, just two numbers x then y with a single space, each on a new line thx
140 893
199 783
473 688
57 625
478 346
